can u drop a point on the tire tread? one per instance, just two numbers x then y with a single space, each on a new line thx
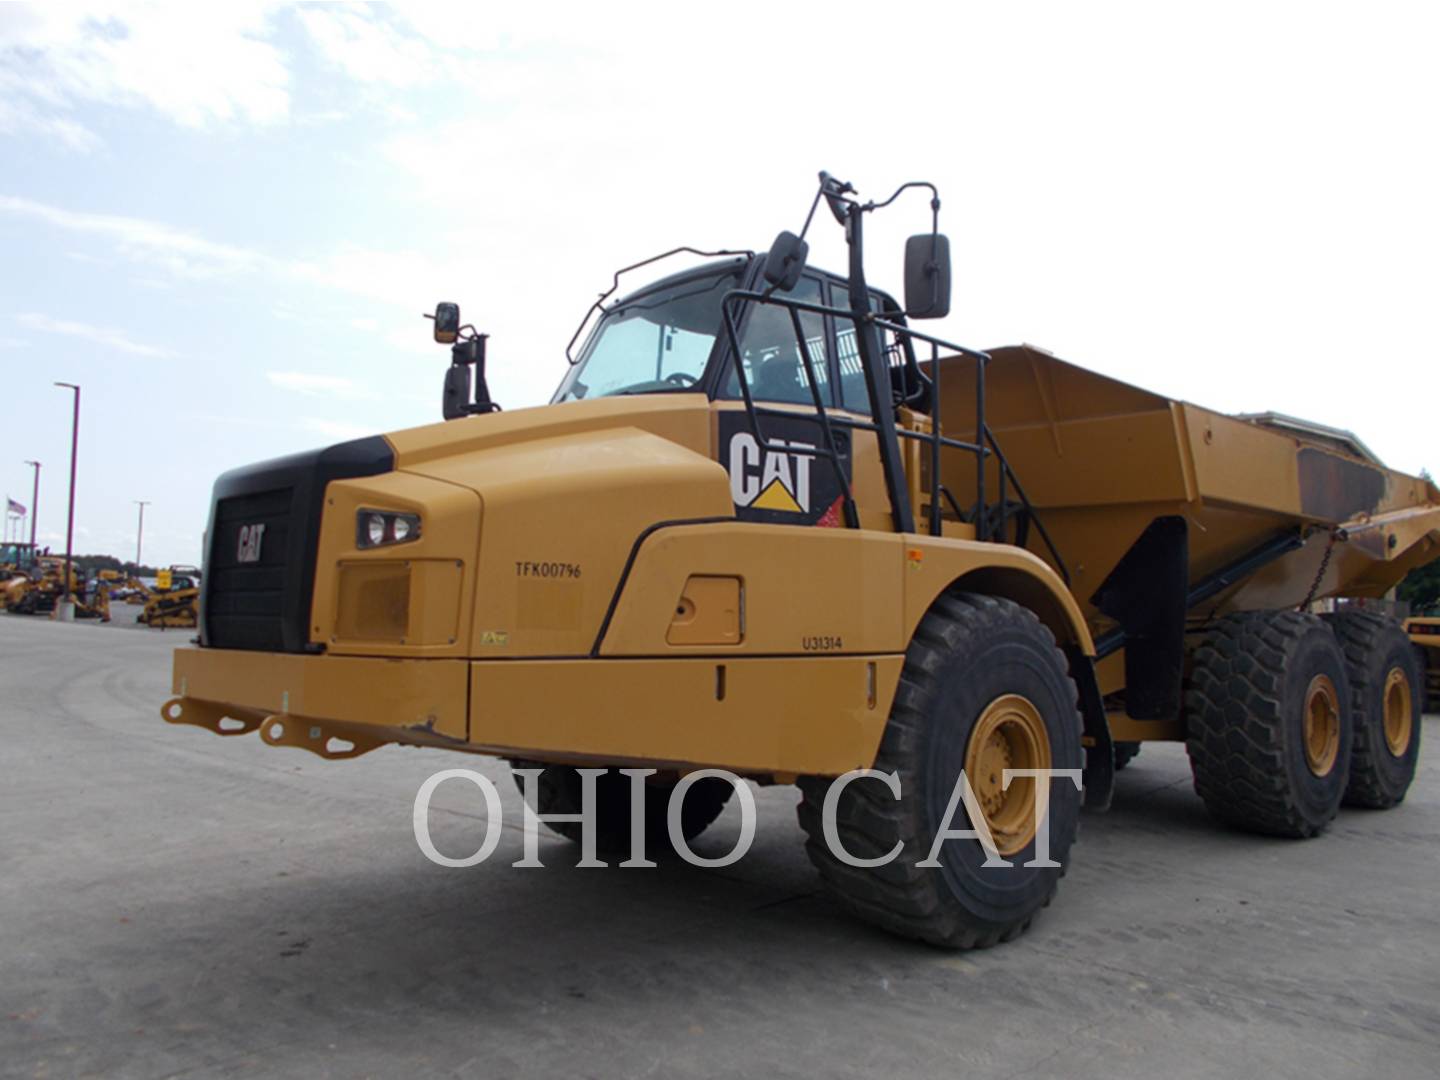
901 897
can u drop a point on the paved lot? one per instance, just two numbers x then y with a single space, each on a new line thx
176 904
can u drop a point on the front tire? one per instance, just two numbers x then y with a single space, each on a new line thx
1269 723
983 688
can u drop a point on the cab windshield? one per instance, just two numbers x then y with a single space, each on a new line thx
655 341
21 555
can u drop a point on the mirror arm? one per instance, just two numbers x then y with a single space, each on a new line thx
934 199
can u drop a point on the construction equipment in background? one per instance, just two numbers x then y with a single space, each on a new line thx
132 591
37 590
15 559
768 526
95 603
14 590
174 601
1424 631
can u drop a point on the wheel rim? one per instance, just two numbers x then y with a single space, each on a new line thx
1322 725
1010 734
1399 711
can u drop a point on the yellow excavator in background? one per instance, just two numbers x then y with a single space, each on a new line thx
133 591
94 601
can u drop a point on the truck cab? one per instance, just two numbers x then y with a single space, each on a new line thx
670 338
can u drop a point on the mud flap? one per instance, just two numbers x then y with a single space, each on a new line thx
1146 594
1099 775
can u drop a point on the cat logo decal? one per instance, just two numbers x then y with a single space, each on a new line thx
770 479
786 482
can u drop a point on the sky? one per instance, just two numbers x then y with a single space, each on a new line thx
225 221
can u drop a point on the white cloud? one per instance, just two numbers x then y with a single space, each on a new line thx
115 339
324 116
198 64
18 116
335 429
240 421
410 280
367 47
330 386
179 251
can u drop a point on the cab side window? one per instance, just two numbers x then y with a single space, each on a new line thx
774 365
853 395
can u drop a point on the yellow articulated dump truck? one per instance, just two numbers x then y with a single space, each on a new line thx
767 525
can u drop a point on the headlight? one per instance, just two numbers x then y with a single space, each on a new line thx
379 528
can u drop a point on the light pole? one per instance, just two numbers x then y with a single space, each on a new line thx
140 532
68 604
34 503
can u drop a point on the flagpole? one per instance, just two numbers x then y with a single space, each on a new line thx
34 501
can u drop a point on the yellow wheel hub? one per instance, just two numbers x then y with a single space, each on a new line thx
1399 712
1010 734
1322 725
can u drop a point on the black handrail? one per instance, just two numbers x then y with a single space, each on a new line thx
987 527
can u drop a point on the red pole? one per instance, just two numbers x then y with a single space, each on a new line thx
70 520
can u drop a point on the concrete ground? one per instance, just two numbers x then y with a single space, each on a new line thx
177 904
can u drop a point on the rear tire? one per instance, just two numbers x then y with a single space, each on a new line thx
1387 686
1268 713
977 666
559 792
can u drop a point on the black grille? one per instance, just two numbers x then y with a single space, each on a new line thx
245 606
265 604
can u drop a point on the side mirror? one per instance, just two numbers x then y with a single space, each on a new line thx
927 276
447 323
456 401
785 261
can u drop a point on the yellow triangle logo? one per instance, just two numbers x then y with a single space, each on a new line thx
775 497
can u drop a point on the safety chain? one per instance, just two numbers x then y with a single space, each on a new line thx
1320 574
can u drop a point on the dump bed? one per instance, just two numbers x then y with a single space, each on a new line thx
1100 460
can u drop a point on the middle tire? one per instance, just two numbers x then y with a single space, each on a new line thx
1268 716
983 688
560 793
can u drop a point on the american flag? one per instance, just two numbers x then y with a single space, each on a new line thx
12 507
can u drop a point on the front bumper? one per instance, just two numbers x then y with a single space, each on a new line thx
791 715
